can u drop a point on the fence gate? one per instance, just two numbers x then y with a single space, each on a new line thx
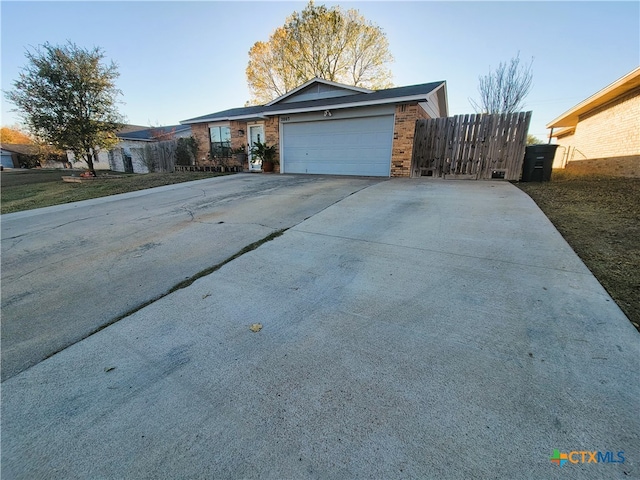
471 146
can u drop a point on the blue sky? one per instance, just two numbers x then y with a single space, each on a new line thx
179 60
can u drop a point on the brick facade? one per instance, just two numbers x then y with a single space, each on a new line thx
238 135
272 137
402 148
272 133
200 132
628 166
403 131
609 131
238 140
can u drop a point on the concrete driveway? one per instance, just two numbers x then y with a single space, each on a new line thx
69 270
415 329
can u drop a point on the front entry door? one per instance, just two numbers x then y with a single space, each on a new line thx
256 134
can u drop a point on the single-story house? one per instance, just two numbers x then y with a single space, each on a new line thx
28 156
323 127
127 155
8 158
102 160
602 133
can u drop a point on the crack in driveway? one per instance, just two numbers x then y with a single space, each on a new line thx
163 225
183 284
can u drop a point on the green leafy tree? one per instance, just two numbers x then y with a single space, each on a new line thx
329 43
504 90
533 140
67 97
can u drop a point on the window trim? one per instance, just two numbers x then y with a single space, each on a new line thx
220 149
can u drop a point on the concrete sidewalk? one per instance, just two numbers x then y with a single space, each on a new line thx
415 329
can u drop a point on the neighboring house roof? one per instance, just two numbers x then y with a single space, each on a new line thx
363 99
23 149
618 88
150 134
132 128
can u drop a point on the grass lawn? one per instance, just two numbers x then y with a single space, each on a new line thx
600 218
28 189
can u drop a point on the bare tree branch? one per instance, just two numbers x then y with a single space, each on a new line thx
504 90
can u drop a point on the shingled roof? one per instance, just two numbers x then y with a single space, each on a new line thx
22 149
150 134
418 92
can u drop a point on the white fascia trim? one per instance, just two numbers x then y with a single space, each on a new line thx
338 106
129 139
445 100
365 103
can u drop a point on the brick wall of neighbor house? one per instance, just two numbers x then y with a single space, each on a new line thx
628 166
612 130
563 150
403 131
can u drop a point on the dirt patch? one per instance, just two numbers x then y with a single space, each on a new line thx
599 217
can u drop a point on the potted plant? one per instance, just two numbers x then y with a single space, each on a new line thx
266 154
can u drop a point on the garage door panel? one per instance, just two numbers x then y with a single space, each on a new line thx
338 139
359 146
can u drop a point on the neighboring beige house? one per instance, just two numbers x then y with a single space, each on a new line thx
13 154
323 127
102 160
30 156
602 133
127 155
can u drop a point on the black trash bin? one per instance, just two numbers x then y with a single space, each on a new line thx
538 161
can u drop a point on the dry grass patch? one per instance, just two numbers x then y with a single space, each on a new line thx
600 218
29 189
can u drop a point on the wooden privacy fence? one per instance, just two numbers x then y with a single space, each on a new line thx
471 146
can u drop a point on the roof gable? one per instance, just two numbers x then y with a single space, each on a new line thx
376 97
317 89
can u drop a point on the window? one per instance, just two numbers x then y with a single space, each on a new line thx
220 142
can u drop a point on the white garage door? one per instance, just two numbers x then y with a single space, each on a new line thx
355 146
